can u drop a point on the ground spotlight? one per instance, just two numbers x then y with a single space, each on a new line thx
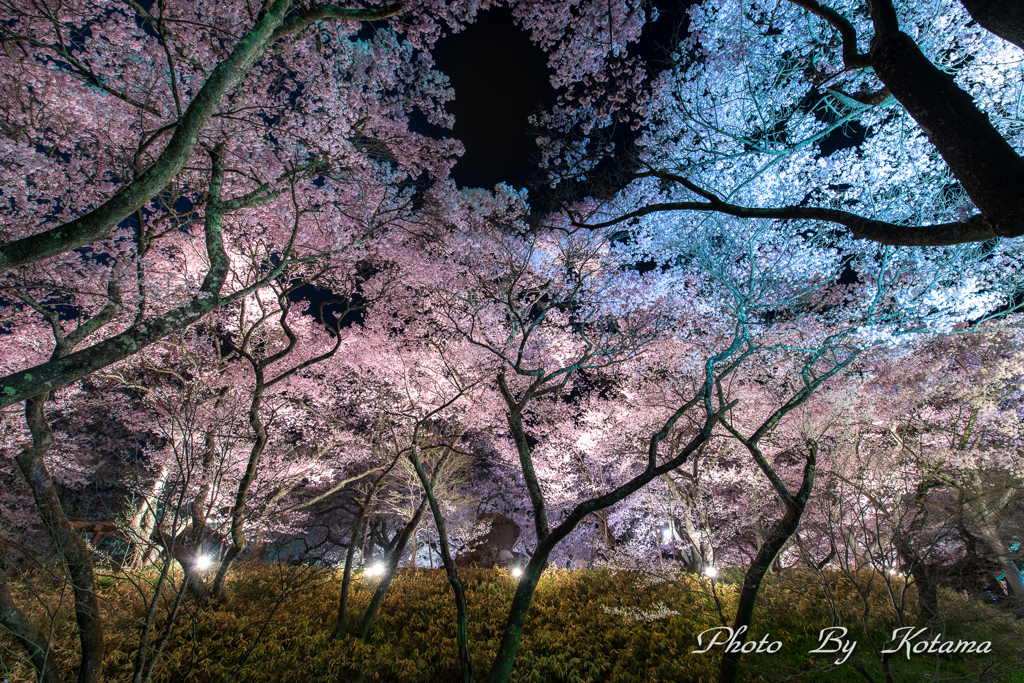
517 572
376 569
711 572
203 562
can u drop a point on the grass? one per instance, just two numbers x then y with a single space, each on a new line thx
275 625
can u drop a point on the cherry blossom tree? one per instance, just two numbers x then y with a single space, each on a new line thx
746 119
421 383
31 461
956 421
186 136
125 126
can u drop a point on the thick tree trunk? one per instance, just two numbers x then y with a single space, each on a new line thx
988 168
144 521
1005 18
703 552
35 642
76 553
501 670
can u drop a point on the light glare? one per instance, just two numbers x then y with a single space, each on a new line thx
711 572
204 562
517 572
376 569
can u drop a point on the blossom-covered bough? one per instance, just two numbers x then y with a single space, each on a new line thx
746 119
129 133
680 348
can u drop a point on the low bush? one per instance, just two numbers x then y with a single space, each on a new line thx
276 623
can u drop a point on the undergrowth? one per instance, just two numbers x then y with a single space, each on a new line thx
276 622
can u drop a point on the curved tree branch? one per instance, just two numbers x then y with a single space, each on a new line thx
852 59
974 229
97 224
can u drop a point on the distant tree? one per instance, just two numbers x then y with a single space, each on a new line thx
953 411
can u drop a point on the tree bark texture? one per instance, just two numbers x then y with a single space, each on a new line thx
75 551
776 539
988 168
1005 18
994 541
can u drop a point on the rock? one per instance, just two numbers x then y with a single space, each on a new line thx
496 535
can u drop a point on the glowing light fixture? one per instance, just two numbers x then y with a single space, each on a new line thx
710 572
203 562
376 569
517 572
667 534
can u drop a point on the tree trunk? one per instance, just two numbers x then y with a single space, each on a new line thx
145 654
995 543
238 541
703 553
389 570
776 539
25 632
988 168
76 553
144 521
346 576
353 543
1005 18
461 613
927 590
501 670
502 667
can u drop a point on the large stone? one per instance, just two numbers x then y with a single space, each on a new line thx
494 538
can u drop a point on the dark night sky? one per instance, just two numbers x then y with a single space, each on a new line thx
500 78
